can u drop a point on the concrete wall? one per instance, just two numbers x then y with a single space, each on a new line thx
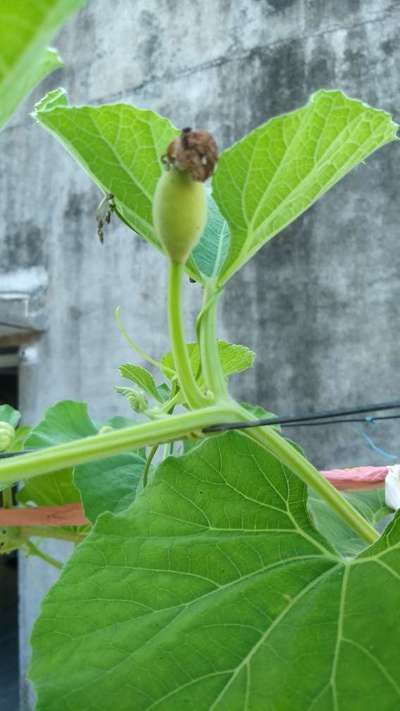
318 305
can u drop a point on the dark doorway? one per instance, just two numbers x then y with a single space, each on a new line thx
8 564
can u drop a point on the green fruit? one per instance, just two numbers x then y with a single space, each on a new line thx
179 213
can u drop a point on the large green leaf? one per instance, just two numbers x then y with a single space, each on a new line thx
141 377
119 146
234 358
276 172
49 490
25 30
214 591
63 422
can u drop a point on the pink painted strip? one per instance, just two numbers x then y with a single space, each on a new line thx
356 477
68 515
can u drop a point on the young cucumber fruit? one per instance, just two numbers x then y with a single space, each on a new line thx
180 201
179 213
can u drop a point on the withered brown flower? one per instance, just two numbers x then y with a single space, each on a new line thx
195 152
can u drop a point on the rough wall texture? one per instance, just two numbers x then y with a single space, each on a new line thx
319 303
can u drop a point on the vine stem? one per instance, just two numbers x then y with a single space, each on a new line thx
290 457
191 391
213 373
34 550
101 446
135 346
149 460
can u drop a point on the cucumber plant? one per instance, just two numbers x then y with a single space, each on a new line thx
205 576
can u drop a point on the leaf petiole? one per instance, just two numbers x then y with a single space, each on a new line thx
135 346
33 550
211 367
290 457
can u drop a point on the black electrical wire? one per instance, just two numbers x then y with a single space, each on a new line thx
309 419
365 420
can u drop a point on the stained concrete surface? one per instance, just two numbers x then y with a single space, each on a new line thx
318 304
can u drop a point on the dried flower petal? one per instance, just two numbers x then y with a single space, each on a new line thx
194 152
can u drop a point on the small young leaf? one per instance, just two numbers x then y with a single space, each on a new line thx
234 358
141 377
277 171
25 30
164 392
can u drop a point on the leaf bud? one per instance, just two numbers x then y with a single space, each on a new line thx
136 398
7 436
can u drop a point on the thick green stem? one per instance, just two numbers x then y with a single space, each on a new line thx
191 391
105 445
212 371
290 457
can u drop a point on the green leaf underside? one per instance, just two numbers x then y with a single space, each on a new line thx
209 255
260 412
119 146
280 169
141 377
25 30
64 422
49 490
110 484
371 504
214 591
234 358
